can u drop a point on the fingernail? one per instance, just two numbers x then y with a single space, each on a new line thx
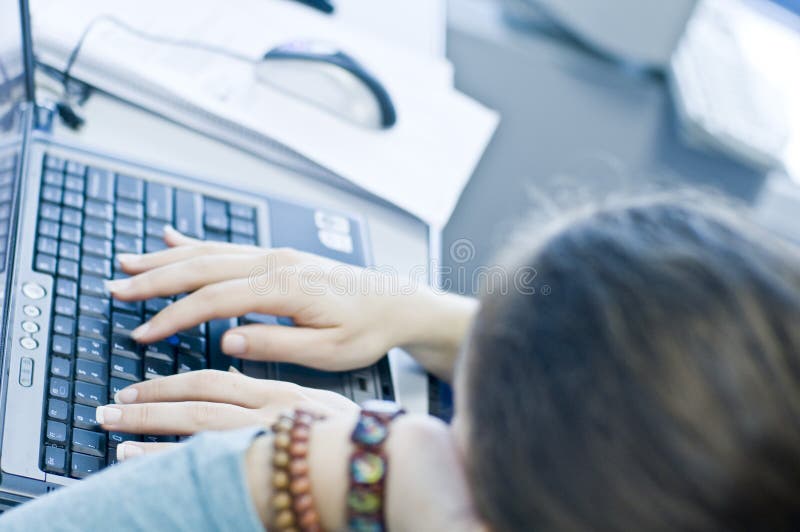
169 229
107 414
234 344
117 285
140 331
128 258
126 395
232 369
128 450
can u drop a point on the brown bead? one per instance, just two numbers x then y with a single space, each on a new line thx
298 467
284 519
280 459
292 529
298 449
313 528
300 433
302 503
300 486
283 424
282 440
280 479
309 518
281 500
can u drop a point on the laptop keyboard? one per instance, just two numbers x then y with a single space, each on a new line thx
87 215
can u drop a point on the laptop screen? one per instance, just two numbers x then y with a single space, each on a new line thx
12 72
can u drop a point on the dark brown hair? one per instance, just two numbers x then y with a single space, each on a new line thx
656 386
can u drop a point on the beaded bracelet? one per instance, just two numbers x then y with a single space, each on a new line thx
292 502
368 465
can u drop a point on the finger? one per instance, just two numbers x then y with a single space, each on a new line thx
278 343
204 385
174 418
133 264
227 299
128 450
186 275
174 238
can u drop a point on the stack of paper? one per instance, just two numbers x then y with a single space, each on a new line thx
421 164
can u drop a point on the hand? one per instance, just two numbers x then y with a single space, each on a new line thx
208 400
346 317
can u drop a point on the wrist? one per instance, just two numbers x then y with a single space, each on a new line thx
433 327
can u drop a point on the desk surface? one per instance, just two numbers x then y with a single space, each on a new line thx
398 240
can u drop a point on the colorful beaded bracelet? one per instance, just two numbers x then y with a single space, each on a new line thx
368 466
292 503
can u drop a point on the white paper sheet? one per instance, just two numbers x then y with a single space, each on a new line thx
422 164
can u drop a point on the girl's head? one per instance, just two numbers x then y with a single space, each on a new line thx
655 387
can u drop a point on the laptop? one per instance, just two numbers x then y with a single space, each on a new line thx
65 212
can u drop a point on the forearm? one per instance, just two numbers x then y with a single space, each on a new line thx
432 327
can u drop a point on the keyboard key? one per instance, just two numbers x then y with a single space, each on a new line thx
91 371
90 394
93 285
75 168
151 245
100 247
94 350
99 228
187 362
52 194
68 268
100 185
117 384
73 199
154 228
94 306
62 345
243 227
197 330
64 325
129 226
131 209
47 245
49 228
88 442
54 178
115 438
159 438
124 323
216 236
156 367
157 304
61 367
55 460
192 344
159 202
67 288
56 431
69 251
45 263
132 307
96 266
130 188
69 233
92 328
57 409
99 210
216 215
83 418
126 368
51 212
59 388
71 216
242 211
189 213
65 306
128 244
162 350
124 346
74 183
82 465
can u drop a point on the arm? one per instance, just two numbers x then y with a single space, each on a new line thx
345 317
